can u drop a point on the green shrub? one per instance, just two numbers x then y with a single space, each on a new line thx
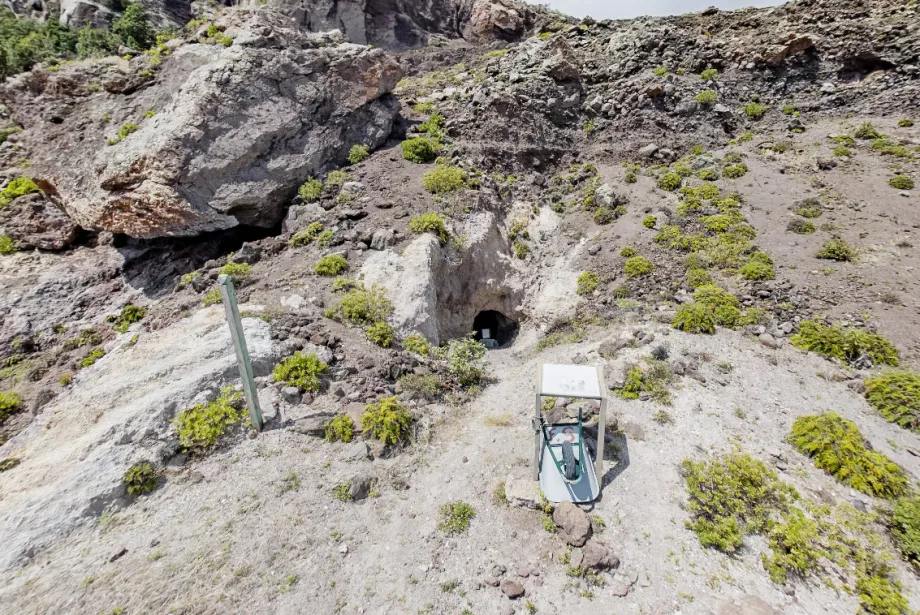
755 270
10 403
340 429
707 97
325 238
731 496
755 110
695 318
311 190
905 527
130 314
734 171
901 182
905 123
386 421
654 380
336 178
710 74
201 427
9 463
214 35
140 479
603 215
649 221
628 251
7 245
330 265
841 151
301 371
881 595
363 306
25 42
358 153
838 448
380 333
18 187
697 277
238 272
896 395
521 249
588 282
838 250
212 297
433 126
708 175
91 357
867 131
465 361
417 344
660 71
134 29
844 344
801 227
306 236
444 179
423 386
810 208
670 181
430 222
638 266
123 133
455 517
788 110
420 150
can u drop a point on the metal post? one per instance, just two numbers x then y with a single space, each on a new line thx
242 353
601 428
537 416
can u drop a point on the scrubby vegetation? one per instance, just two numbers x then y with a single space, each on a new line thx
734 171
800 226
200 427
380 333
140 479
340 429
362 306
444 179
358 153
867 131
901 182
838 250
130 314
430 222
420 150
707 97
755 110
331 265
10 403
588 282
652 379
905 527
710 74
670 181
838 448
638 266
301 371
422 386
308 235
711 306
455 517
847 345
311 190
896 395
123 132
465 361
7 245
238 272
417 344
386 421
20 186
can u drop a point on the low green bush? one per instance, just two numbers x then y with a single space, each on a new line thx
301 371
455 517
755 110
697 276
901 182
838 250
709 175
695 318
628 252
896 395
20 186
91 357
140 479
417 344
422 386
905 123
867 131
735 171
465 361
650 221
429 222
653 380
419 150
638 266
308 235
842 151
7 245
380 333
331 265
521 249
386 421
810 208
588 282
123 132
710 74
444 179
358 153
847 345
238 272
707 97
758 271
130 314
201 427
838 448
363 306
905 527
10 403
311 190
340 429
670 181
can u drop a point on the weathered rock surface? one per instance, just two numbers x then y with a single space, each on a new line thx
573 523
34 222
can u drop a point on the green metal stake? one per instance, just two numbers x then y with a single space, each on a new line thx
242 353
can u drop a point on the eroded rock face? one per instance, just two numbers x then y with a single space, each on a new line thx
237 130
34 222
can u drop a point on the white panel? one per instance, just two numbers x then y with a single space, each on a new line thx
571 381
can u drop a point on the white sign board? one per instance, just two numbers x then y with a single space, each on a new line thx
570 381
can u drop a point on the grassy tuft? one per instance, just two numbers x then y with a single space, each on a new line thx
201 427
386 421
444 179
896 395
846 345
430 222
588 282
340 429
140 478
301 371
455 517
331 265
838 250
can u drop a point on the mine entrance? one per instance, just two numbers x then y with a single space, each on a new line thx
496 326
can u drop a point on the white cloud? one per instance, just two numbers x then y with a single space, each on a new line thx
621 9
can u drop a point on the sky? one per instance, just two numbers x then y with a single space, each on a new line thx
622 9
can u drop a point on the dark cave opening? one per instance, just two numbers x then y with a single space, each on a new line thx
490 324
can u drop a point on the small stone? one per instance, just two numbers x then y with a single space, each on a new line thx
511 588
343 549
768 340
620 589
574 525
118 554
523 572
498 570
291 395
493 581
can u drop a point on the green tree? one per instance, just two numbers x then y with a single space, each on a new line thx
134 29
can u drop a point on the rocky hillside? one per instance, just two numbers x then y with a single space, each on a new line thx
718 209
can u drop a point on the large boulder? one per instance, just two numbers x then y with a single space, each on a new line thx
573 523
237 129
34 222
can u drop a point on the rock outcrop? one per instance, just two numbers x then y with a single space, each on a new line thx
236 130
